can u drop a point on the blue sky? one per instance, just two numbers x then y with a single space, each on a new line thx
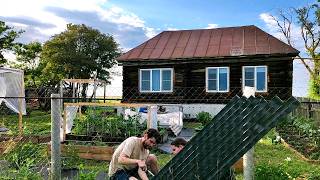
134 21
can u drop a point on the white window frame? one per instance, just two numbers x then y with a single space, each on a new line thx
228 79
150 70
255 78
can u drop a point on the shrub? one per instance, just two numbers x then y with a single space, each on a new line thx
204 117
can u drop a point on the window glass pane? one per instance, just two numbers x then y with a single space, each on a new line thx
212 85
166 85
261 78
249 83
145 85
249 73
212 73
155 80
166 75
145 75
223 79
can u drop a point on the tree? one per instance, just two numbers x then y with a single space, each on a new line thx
79 52
7 38
308 19
29 57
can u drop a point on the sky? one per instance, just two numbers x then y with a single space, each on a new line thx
132 22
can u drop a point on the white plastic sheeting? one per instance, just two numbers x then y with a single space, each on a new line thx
11 85
71 112
173 120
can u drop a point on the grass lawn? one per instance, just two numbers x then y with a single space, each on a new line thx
278 156
267 155
37 123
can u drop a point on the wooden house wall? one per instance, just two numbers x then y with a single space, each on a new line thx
189 82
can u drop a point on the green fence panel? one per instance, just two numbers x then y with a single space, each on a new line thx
231 133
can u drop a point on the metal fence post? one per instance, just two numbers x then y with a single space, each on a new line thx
55 137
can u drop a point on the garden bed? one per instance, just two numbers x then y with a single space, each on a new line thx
103 153
303 143
106 139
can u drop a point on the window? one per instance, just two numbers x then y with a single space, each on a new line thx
255 76
156 80
217 79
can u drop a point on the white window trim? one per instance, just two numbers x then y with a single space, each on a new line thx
255 78
218 73
150 70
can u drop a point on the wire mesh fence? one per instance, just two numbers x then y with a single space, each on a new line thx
28 156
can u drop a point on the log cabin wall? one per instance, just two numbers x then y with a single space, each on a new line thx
189 81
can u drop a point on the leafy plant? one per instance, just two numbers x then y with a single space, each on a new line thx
24 158
204 117
26 155
267 172
96 123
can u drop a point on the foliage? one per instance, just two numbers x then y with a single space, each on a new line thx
84 175
96 123
71 158
26 155
24 158
303 135
308 21
79 52
7 39
28 56
37 123
314 89
277 155
266 172
204 117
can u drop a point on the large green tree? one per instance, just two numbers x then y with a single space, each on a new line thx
7 39
80 52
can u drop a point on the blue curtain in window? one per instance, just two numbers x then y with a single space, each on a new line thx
223 79
212 79
155 80
145 80
166 80
249 76
261 78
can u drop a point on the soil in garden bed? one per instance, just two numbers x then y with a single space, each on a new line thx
300 141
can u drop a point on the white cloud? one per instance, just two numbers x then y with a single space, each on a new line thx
150 32
212 26
39 11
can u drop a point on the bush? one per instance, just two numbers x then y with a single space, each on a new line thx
204 117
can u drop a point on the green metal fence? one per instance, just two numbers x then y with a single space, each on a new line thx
232 132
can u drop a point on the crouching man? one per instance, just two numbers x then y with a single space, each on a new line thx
132 158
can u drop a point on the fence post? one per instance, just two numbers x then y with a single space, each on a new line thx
55 137
152 121
248 158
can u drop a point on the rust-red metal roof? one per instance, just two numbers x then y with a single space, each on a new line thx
210 43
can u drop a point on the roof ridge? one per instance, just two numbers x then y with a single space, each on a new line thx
208 28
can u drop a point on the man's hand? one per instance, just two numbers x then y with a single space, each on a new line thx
142 164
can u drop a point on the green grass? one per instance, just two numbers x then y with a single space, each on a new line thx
277 155
37 123
266 153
